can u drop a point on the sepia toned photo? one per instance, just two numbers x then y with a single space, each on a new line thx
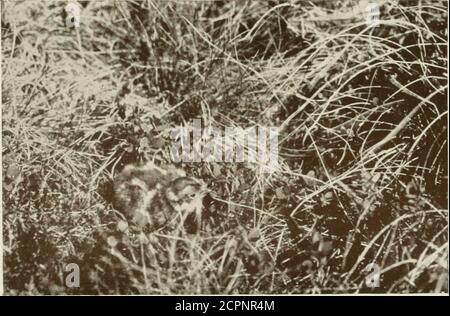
175 147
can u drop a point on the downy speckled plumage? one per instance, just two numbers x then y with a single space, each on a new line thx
152 197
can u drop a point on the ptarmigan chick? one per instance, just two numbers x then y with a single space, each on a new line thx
152 197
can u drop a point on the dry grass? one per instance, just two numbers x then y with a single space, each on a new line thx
363 146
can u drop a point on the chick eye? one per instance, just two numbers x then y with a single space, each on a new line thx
191 196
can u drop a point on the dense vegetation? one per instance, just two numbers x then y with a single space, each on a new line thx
362 113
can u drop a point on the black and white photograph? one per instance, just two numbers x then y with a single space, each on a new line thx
212 147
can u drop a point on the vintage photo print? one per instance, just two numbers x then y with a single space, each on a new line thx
175 147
